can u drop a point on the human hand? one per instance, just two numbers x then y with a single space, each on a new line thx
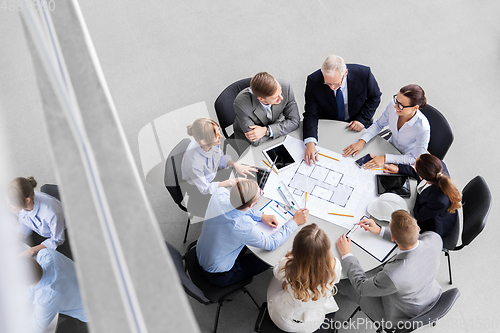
391 168
256 132
230 182
310 155
370 225
375 162
244 170
270 220
344 245
28 252
300 216
354 148
355 126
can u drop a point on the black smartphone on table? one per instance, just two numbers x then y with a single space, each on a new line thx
360 162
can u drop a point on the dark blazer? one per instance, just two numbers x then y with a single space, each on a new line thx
363 99
431 206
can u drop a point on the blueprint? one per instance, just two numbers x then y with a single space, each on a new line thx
332 186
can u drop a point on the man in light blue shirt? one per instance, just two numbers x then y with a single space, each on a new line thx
54 289
230 224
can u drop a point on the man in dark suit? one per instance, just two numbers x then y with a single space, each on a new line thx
406 286
359 98
266 110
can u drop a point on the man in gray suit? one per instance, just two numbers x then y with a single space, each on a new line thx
406 286
265 110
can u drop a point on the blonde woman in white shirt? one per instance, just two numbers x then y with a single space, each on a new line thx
410 129
203 158
301 292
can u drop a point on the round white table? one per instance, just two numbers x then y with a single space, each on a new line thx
334 136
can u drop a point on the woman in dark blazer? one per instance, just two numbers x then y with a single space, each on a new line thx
437 198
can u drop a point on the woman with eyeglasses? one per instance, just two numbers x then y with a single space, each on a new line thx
410 129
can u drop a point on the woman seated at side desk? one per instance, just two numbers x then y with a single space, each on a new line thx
302 291
38 212
410 129
437 198
203 158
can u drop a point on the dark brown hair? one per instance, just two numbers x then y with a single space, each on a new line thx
404 228
19 189
244 193
415 93
430 168
310 265
263 84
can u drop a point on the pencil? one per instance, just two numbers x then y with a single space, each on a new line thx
269 166
377 169
305 203
341 215
333 158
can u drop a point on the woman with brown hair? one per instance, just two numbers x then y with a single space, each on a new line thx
437 198
38 212
302 291
410 128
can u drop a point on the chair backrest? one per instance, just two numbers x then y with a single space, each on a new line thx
51 190
224 104
438 311
173 173
441 133
190 288
476 202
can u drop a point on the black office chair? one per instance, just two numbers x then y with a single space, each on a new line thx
476 205
51 190
198 287
438 311
264 323
173 179
225 110
441 133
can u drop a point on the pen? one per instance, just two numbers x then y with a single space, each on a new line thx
341 215
270 166
333 158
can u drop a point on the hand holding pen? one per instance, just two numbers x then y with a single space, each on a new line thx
369 225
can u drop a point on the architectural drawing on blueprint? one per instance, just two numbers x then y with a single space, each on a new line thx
321 182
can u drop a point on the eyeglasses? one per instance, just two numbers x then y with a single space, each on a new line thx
335 85
400 106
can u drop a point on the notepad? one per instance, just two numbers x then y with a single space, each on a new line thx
376 246
274 208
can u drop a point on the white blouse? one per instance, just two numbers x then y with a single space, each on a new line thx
200 167
293 315
46 219
411 139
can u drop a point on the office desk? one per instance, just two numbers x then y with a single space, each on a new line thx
334 136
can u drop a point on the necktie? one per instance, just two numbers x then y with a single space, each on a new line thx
340 104
269 113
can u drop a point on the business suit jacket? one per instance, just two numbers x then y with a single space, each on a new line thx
249 111
406 286
363 96
431 206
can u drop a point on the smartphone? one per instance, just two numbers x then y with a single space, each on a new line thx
360 162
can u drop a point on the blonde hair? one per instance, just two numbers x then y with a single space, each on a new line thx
203 129
310 265
333 62
244 193
404 228
19 189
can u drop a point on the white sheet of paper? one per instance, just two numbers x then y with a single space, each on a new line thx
273 208
333 186
371 243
